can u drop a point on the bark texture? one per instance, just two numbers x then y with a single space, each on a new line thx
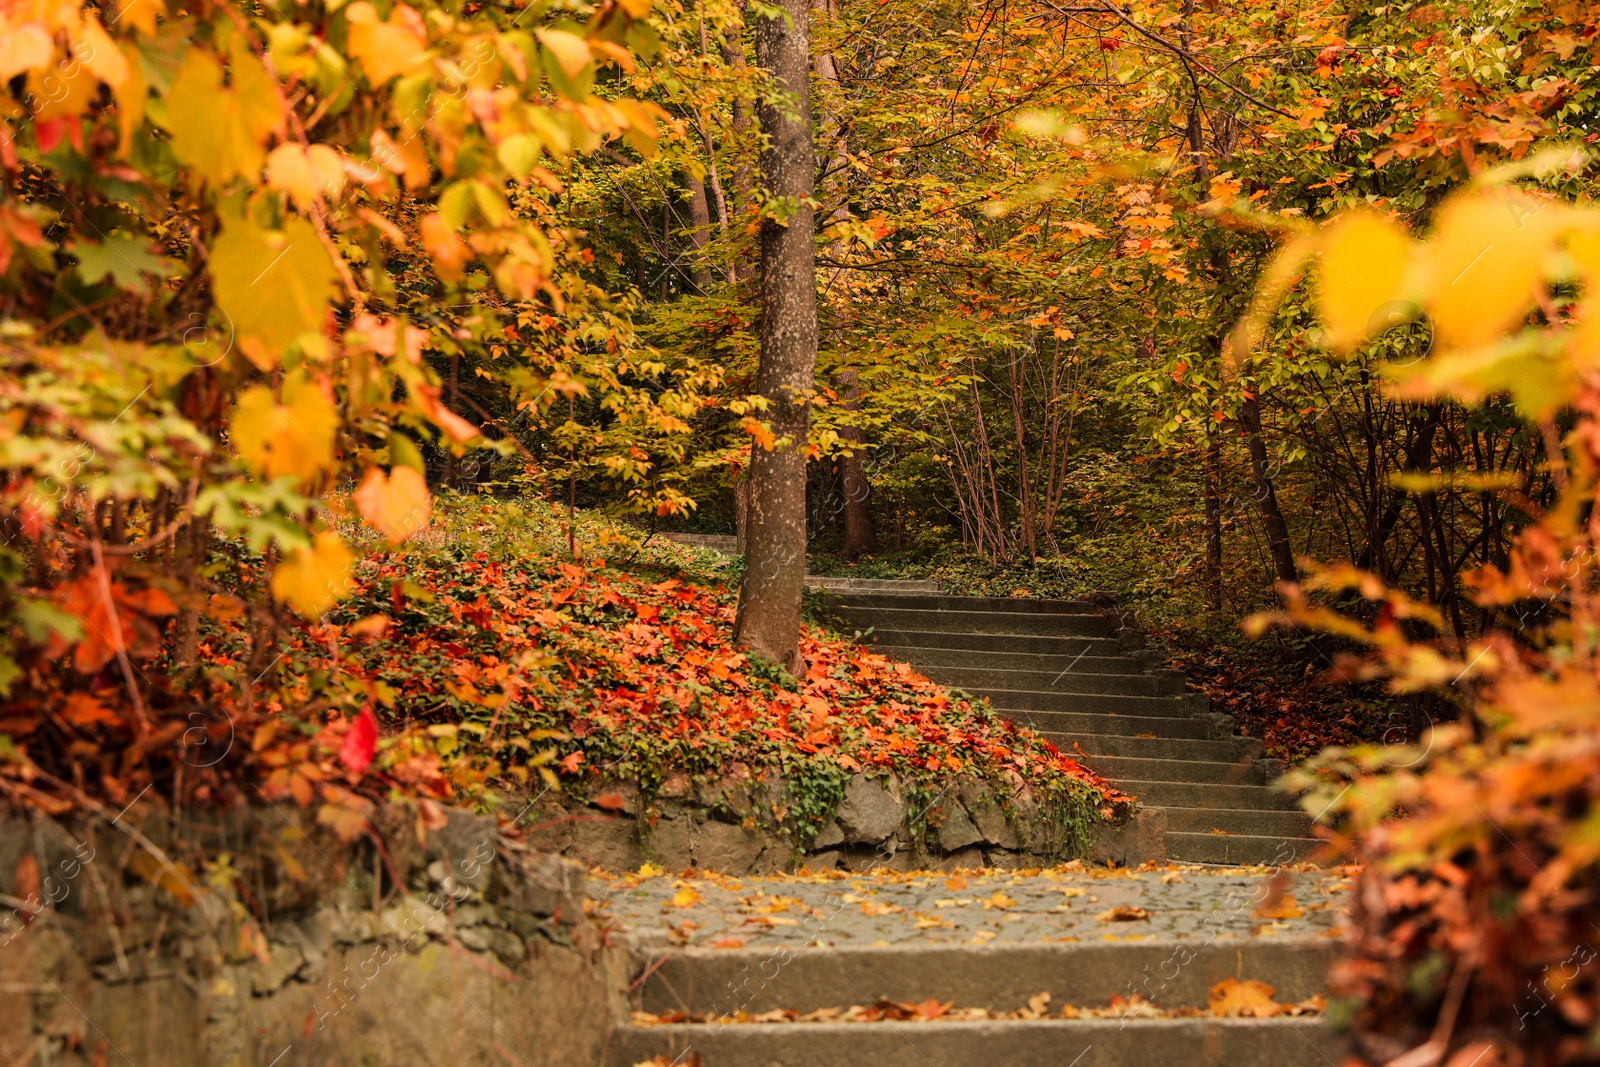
1266 498
699 234
739 267
1213 573
860 537
768 619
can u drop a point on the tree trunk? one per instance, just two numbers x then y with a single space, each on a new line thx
860 537
700 219
743 182
768 618
741 511
1266 498
1030 539
1213 575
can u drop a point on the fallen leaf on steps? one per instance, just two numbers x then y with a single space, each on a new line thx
1234 998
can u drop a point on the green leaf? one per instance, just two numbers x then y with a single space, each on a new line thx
404 453
126 259
42 620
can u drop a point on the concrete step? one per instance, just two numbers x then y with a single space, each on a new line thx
1008 605
1060 680
1030 700
908 620
1001 976
1240 822
1197 1042
726 543
912 589
976 642
1074 659
1061 727
1241 848
1098 744
1197 795
1222 772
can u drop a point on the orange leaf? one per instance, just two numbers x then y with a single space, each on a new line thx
1235 998
1284 908
396 504
388 47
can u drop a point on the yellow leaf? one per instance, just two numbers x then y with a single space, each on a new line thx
141 14
685 897
305 173
637 9
1234 998
130 95
999 900
386 48
1360 275
1487 258
102 56
397 504
1584 248
571 52
221 132
62 90
177 879
25 47
273 285
314 579
294 439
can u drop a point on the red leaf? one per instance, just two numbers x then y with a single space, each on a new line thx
361 743
48 132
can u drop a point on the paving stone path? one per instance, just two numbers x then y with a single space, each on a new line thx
942 969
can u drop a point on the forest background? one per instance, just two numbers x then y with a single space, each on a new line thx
276 274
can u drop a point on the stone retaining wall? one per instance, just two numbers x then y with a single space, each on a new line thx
292 949
736 827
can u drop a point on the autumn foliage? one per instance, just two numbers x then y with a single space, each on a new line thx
1475 920
498 663
228 230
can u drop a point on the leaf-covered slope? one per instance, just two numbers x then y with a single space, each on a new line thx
516 661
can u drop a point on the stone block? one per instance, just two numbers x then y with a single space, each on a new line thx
966 859
612 844
465 847
826 860
547 885
871 811
1141 839
989 816
726 848
670 842
830 836
956 829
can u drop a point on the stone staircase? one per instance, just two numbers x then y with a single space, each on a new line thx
754 973
1074 673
